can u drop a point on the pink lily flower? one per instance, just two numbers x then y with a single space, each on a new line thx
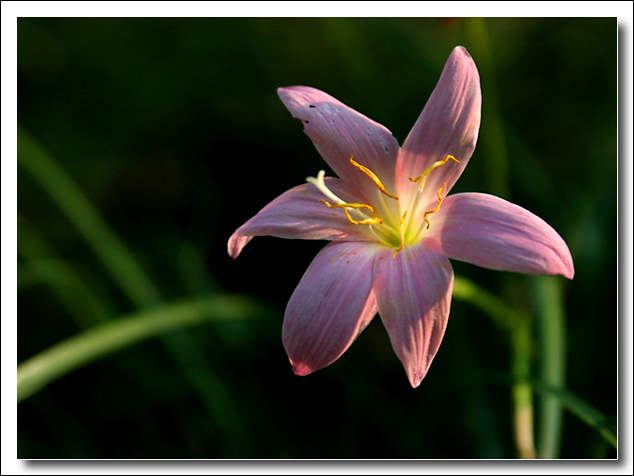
392 226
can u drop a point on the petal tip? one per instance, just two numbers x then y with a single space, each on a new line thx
282 91
236 243
461 49
301 369
232 248
567 266
286 91
415 378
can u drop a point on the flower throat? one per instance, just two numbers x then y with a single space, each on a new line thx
390 230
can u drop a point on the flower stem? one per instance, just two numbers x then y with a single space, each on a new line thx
551 327
522 390
519 325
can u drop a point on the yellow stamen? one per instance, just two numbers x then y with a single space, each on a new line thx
433 166
348 205
356 206
400 248
428 212
374 178
367 221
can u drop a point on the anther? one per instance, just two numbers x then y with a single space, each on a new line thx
348 205
366 221
373 177
433 166
356 206
428 212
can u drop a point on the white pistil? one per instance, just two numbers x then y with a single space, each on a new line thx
396 232
374 224
321 186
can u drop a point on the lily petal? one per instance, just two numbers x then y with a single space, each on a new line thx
413 292
330 307
298 213
338 131
490 232
448 125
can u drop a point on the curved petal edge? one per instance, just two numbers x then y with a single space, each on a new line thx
338 131
490 232
298 214
448 125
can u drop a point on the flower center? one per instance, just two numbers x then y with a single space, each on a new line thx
385 225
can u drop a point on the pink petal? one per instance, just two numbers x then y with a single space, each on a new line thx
413 293
338 131
330 307
493 233
448 125
298 213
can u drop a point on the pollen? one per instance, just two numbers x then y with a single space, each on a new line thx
373 177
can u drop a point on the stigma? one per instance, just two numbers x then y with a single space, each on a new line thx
361 217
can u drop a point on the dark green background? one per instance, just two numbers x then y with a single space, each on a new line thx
174 130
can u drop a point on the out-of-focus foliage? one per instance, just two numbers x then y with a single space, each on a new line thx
173 130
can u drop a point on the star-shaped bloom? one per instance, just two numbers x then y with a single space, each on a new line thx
392 226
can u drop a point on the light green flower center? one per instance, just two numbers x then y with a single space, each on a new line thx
387 224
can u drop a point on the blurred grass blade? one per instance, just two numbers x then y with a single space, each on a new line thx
516 322
502 314
78 351
492 138
117 259
70 288
583 410
493 144
87 220
548 296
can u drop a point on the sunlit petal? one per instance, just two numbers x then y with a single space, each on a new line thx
331 305
413 292
448 125
299 214
490 232
339 131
